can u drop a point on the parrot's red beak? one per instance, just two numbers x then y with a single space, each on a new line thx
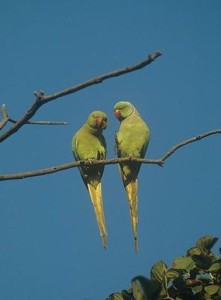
99 122
117 113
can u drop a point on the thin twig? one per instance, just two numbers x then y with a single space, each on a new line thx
188 141
112 161
41 99
4 116
6 119
40 122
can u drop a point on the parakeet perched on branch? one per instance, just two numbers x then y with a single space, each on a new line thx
131 141
88 144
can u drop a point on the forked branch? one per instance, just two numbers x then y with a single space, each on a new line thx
6 119
42 99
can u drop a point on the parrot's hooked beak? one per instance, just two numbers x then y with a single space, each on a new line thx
117 113
99 122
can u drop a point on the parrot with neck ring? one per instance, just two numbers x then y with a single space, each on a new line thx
132 140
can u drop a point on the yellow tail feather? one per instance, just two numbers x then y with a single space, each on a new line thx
97 201
131 189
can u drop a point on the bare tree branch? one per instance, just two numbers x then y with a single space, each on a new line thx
73 164
42 99
160 161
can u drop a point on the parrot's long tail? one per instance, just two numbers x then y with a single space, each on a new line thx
97 201
131 189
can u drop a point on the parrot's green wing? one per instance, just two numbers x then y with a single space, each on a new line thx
131 141
88 144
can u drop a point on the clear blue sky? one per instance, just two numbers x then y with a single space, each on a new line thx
50 246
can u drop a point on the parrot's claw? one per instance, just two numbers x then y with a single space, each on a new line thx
90 160
131 156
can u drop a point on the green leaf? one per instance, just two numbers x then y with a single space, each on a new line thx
158 271
139 287
127 295
172 274
206 242
115 296
193 251
216 266
206 296
183 263
144 288
193 282
197 288
211 289
158 274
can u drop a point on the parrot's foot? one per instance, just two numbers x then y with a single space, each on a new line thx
132 157
90 160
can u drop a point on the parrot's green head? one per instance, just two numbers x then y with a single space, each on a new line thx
97 120
123 109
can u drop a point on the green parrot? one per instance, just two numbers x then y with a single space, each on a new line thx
88 144
131 141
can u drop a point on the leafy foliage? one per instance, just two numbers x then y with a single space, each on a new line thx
194 276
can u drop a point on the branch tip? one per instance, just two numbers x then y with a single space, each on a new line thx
4 112
4 116
39 94
153 56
